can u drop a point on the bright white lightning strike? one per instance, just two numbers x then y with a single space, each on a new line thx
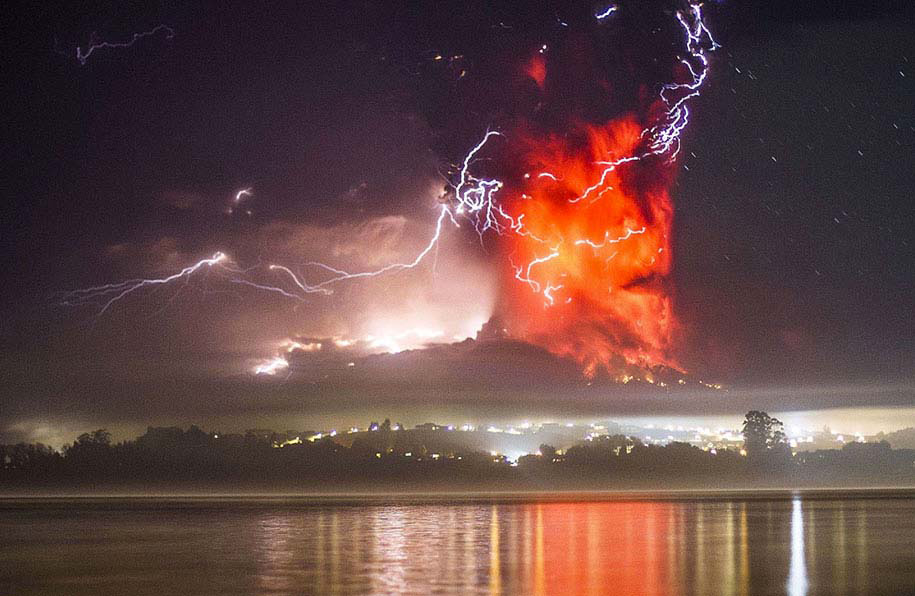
608 240
239 197
606 12
340 275
111 293
475 198
522 274
271 367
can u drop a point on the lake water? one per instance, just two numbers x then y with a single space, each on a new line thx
749 544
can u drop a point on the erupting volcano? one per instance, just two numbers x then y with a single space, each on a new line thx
580 198
593 249
571 181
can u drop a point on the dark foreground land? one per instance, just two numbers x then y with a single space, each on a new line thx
763 542
389 461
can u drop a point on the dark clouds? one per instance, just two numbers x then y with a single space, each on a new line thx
795 212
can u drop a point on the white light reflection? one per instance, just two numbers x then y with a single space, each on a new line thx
797 573
389 533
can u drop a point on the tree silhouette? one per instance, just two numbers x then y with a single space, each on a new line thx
172 457
763 433
97 438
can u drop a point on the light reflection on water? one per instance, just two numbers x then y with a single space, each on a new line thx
728 547
797 573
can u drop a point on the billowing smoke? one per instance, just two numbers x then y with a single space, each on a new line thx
577 185
592 264
569 185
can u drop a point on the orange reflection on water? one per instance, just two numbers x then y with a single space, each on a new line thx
495 567
688 545
576 548
599 548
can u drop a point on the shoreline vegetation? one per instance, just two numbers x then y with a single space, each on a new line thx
172 461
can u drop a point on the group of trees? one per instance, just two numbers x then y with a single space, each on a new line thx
177 459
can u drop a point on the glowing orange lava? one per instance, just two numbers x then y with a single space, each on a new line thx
594 250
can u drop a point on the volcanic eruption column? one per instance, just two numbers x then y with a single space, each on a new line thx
586 228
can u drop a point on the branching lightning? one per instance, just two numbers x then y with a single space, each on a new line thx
476 199
339 275
108 294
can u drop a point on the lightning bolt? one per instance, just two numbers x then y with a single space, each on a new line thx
271 367
524 274
239 197
339 275
608 240
600 16
83 55
475 198
111 293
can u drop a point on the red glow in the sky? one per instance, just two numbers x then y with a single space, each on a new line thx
536 69
601 252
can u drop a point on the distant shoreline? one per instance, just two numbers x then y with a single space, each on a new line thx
468 497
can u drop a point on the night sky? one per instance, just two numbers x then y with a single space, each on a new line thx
793 276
